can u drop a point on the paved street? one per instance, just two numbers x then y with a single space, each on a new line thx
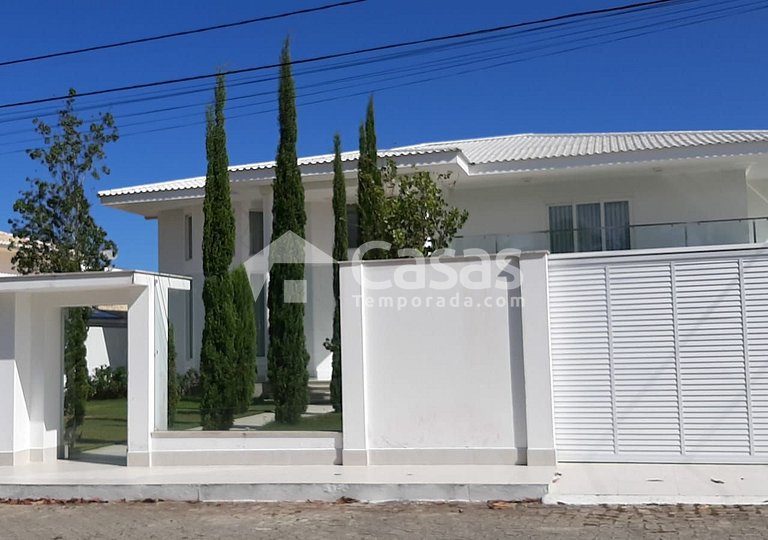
169 521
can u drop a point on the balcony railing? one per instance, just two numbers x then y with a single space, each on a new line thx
647 236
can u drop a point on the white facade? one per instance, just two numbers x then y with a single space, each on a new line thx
669 181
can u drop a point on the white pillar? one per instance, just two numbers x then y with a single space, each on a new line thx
8 378
539 410
141 372
353 365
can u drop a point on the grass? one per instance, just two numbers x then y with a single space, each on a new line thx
320 422
105 421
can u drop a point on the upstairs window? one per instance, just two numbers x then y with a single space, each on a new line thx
188 238
353 226
589 227
255 232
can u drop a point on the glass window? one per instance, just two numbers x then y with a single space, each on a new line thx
353 226
188 237
616 225
561 229
256 232
260 313
589 235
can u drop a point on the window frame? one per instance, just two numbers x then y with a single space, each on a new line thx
602 202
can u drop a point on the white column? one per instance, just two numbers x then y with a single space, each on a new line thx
353 365
539 410
141 372
8 377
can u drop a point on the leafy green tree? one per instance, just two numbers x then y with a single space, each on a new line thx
287 355
245 338
370 189
173 378
417 214
217 358
54 230
340 247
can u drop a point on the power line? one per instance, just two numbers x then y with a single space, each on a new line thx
431 48
178 34
473 63
436 39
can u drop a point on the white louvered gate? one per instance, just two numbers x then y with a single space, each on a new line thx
660 357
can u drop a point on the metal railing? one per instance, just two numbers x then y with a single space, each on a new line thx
641 236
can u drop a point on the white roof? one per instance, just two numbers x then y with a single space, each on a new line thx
508 148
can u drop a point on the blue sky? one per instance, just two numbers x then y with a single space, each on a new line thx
707 76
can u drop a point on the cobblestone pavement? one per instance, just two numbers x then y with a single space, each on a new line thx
169 521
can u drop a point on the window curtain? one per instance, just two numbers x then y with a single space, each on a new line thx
617 225
589 224
561 229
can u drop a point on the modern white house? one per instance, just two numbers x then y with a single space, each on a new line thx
586 192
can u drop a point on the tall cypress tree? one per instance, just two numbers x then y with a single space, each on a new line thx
340 247
287 355
245 338
370 190
217 369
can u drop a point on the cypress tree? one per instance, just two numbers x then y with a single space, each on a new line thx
287 355
370 189
217 374
173 378
76 388
245 338
340 247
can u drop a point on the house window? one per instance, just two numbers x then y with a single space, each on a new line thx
260 314
353 226
188 238
256 232
589 227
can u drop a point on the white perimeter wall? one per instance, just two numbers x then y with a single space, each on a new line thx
437 376
107 346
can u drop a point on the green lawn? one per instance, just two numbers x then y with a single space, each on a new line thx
321 422
104 424
105 421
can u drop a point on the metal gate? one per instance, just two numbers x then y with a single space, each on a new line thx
660 357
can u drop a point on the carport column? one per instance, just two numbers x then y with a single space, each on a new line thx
539 410
8 377
353 384
141 372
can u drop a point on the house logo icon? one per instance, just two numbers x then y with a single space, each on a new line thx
290 248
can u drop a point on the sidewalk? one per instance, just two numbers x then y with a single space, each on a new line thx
79 480
583 483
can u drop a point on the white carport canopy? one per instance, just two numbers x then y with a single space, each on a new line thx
31 352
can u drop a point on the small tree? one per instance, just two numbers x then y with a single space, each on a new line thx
417 214
287 354
245 338
173 378
54 231
370 190
217 374
340 247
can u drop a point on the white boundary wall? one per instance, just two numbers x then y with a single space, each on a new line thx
435 374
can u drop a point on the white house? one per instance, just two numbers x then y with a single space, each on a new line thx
557 192
6 267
